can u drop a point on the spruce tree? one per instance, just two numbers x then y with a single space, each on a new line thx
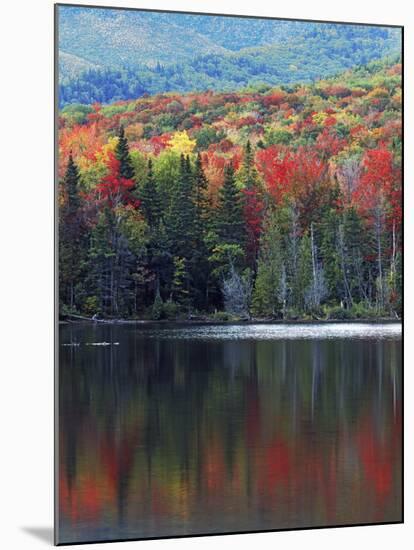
149 198
201 200
253 205
122 154
200 267
70 186
180 221
100 259
158 256
303 276
357 241
331 249
71 240
230 219
182 211
248 174
268 294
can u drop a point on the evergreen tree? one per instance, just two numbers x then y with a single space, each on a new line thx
181 220
269 294
157 306
201 199
71 179
72 233
355 249
158 255
149 197
100 257
230 219
182 210
248 174
303 277
253 204
179 290
122 154
200 267
331 249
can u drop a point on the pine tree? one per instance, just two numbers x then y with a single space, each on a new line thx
230 219
71 189
122 154
157 306
72 233
100 260
180 221
201 199
269 296
248 174
253 204
331 249
200 267
303 277
179 290
182 212
149 197
356 248
158 255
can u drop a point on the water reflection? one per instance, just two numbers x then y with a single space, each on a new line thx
168 436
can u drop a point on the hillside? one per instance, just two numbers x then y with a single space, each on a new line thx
94 35
162 52
274 202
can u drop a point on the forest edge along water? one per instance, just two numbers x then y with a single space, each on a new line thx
230 274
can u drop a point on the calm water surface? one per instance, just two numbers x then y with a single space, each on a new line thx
169 430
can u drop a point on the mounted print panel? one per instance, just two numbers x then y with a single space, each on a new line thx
229 235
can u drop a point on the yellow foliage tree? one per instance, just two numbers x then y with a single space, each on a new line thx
181 143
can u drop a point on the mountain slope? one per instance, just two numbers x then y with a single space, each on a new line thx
114 38
110 55
71 65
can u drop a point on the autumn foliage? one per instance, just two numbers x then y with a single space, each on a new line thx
161 223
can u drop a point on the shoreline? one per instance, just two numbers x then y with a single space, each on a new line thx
207 322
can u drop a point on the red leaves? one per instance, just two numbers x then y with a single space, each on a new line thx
253 215
328 144
114 189
379 186
289 173
337 91
213 166
159 143
329 121
276 166
277 98
247 121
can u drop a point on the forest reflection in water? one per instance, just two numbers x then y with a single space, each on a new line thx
163 436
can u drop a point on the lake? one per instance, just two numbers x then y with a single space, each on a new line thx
176 430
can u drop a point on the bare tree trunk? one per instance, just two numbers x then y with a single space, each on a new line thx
341 244
362 290
394 251
283 290
294 239
314 269
378 234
